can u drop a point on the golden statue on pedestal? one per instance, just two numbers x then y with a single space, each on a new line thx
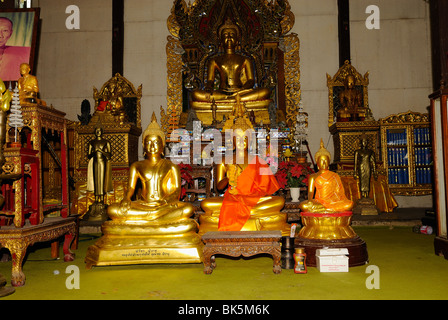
28 87
351 101
326 214
236 74
364 168
99 176
325 189
156 228
248 204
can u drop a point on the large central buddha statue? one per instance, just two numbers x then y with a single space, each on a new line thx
235 73
156 227
248 203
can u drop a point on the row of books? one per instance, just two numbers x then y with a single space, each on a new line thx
396 138
423 175
423 156
421 136
398 176
397 157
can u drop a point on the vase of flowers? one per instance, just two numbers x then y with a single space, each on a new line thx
294 176
186 178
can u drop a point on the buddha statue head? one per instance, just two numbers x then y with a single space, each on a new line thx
153 138
229 34
350 82
322 157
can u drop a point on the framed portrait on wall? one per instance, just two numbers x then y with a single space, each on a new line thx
18 35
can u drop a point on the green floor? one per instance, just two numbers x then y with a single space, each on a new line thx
408 269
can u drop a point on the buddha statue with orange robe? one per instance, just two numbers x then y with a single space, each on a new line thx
326 214
248 203
325 190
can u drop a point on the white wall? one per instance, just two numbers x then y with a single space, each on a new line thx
72 62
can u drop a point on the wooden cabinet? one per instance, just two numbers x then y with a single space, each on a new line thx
407 154
439 132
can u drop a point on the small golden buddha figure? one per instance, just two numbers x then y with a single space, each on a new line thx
351 101
326 214
235 71
156 228
325 190
28 86
248 204
115 105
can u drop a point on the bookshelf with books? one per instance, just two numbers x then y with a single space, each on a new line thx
406 151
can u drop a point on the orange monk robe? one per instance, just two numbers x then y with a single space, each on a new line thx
251 186
330 191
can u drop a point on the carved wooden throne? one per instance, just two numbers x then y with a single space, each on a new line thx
264 38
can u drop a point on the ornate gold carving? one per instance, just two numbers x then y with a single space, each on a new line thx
292 78
194 38
174 82
336 83
127 90
406 117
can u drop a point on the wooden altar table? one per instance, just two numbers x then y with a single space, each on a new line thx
17 240
237 243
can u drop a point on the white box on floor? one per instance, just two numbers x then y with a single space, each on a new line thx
332 260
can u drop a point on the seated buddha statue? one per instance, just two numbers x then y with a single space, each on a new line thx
248 204
161 186
351 101
28 86
236 74
157 228
325 190
326 214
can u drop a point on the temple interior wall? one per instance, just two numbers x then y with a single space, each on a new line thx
397 56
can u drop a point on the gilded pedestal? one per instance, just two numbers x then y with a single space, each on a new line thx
126 243
330 231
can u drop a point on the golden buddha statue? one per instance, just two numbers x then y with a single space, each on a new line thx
326 214
28 86
156 228
325 190
115 102
351 101
236 77
248 204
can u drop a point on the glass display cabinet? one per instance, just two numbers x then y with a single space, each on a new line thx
407 153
